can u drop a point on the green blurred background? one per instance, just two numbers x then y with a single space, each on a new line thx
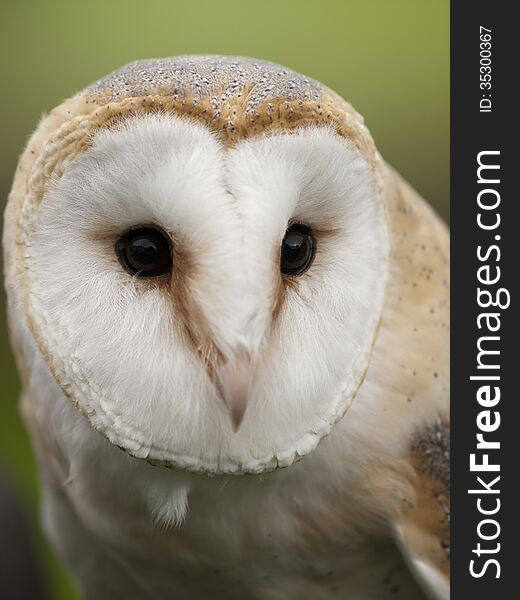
390 59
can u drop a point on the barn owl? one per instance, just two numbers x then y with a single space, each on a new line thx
230 318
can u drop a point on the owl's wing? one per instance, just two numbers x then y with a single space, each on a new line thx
423 532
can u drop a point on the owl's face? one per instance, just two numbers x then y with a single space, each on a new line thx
207 307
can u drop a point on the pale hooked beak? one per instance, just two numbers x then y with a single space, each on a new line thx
233 383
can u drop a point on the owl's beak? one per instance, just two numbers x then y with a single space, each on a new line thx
233 383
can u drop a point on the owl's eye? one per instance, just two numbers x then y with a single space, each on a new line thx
145 252
298 249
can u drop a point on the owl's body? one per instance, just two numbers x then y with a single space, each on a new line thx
148 490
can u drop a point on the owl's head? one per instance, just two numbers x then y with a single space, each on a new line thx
200 251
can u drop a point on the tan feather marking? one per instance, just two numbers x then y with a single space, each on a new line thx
187 311
175 288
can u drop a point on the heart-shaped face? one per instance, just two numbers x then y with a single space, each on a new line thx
167 274
205 305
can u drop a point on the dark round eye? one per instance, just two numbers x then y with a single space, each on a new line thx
145 252
298 249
